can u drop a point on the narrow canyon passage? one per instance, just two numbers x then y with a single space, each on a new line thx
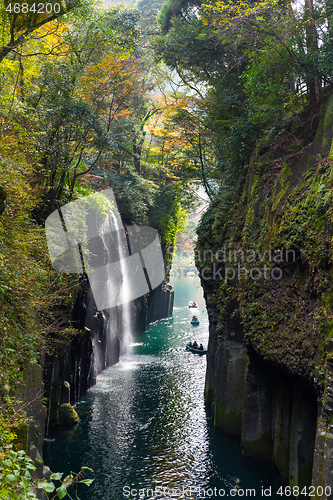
144 425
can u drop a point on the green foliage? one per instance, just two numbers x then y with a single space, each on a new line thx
29 288
134 194
167 214
164 16
20 26
173 8
77 114
303 228
191 49
17 482
268 81
148 13
66 484
17 478
260 64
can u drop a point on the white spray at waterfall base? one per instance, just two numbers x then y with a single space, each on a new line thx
125 287
87 236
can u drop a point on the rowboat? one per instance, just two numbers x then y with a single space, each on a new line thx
190 304
194 323
196 351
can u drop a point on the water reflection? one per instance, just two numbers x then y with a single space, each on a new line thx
144 424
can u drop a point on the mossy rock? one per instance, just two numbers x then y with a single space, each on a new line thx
281 458
68 415
260 448
219 409
21 432
304 476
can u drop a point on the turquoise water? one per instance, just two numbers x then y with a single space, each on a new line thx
144 425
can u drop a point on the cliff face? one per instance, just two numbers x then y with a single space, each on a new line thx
31 435
97 337
73 362
265 259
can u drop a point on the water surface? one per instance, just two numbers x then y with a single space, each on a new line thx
144 425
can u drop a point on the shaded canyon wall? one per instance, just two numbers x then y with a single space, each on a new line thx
270 356
75 361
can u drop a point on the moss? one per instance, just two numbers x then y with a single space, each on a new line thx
233 423
260 448
282 453
304 476
68 415
283 187
22 433
219 415
297 219
327 126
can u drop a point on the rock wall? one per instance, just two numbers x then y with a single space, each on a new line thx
265 258
273 415
31 435
322 474
78 359
159 305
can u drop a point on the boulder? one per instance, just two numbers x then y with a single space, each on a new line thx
68 416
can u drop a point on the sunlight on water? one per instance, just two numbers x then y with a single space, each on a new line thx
144 424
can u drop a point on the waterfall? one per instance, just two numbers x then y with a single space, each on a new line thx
125 285
119 267
108 313
115 321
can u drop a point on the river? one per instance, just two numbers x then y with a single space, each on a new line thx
144 424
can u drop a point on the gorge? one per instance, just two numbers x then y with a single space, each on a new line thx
269 359
149 102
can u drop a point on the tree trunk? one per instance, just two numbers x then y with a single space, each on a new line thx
313 83
136 156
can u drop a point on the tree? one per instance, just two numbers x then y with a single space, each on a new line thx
19 23
180 144
80 98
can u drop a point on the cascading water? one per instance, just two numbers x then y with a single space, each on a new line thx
125 285
111 327
118 269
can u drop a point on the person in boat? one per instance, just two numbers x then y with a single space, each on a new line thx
190 344
195 318
200 347
194 304
195 345
236 488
